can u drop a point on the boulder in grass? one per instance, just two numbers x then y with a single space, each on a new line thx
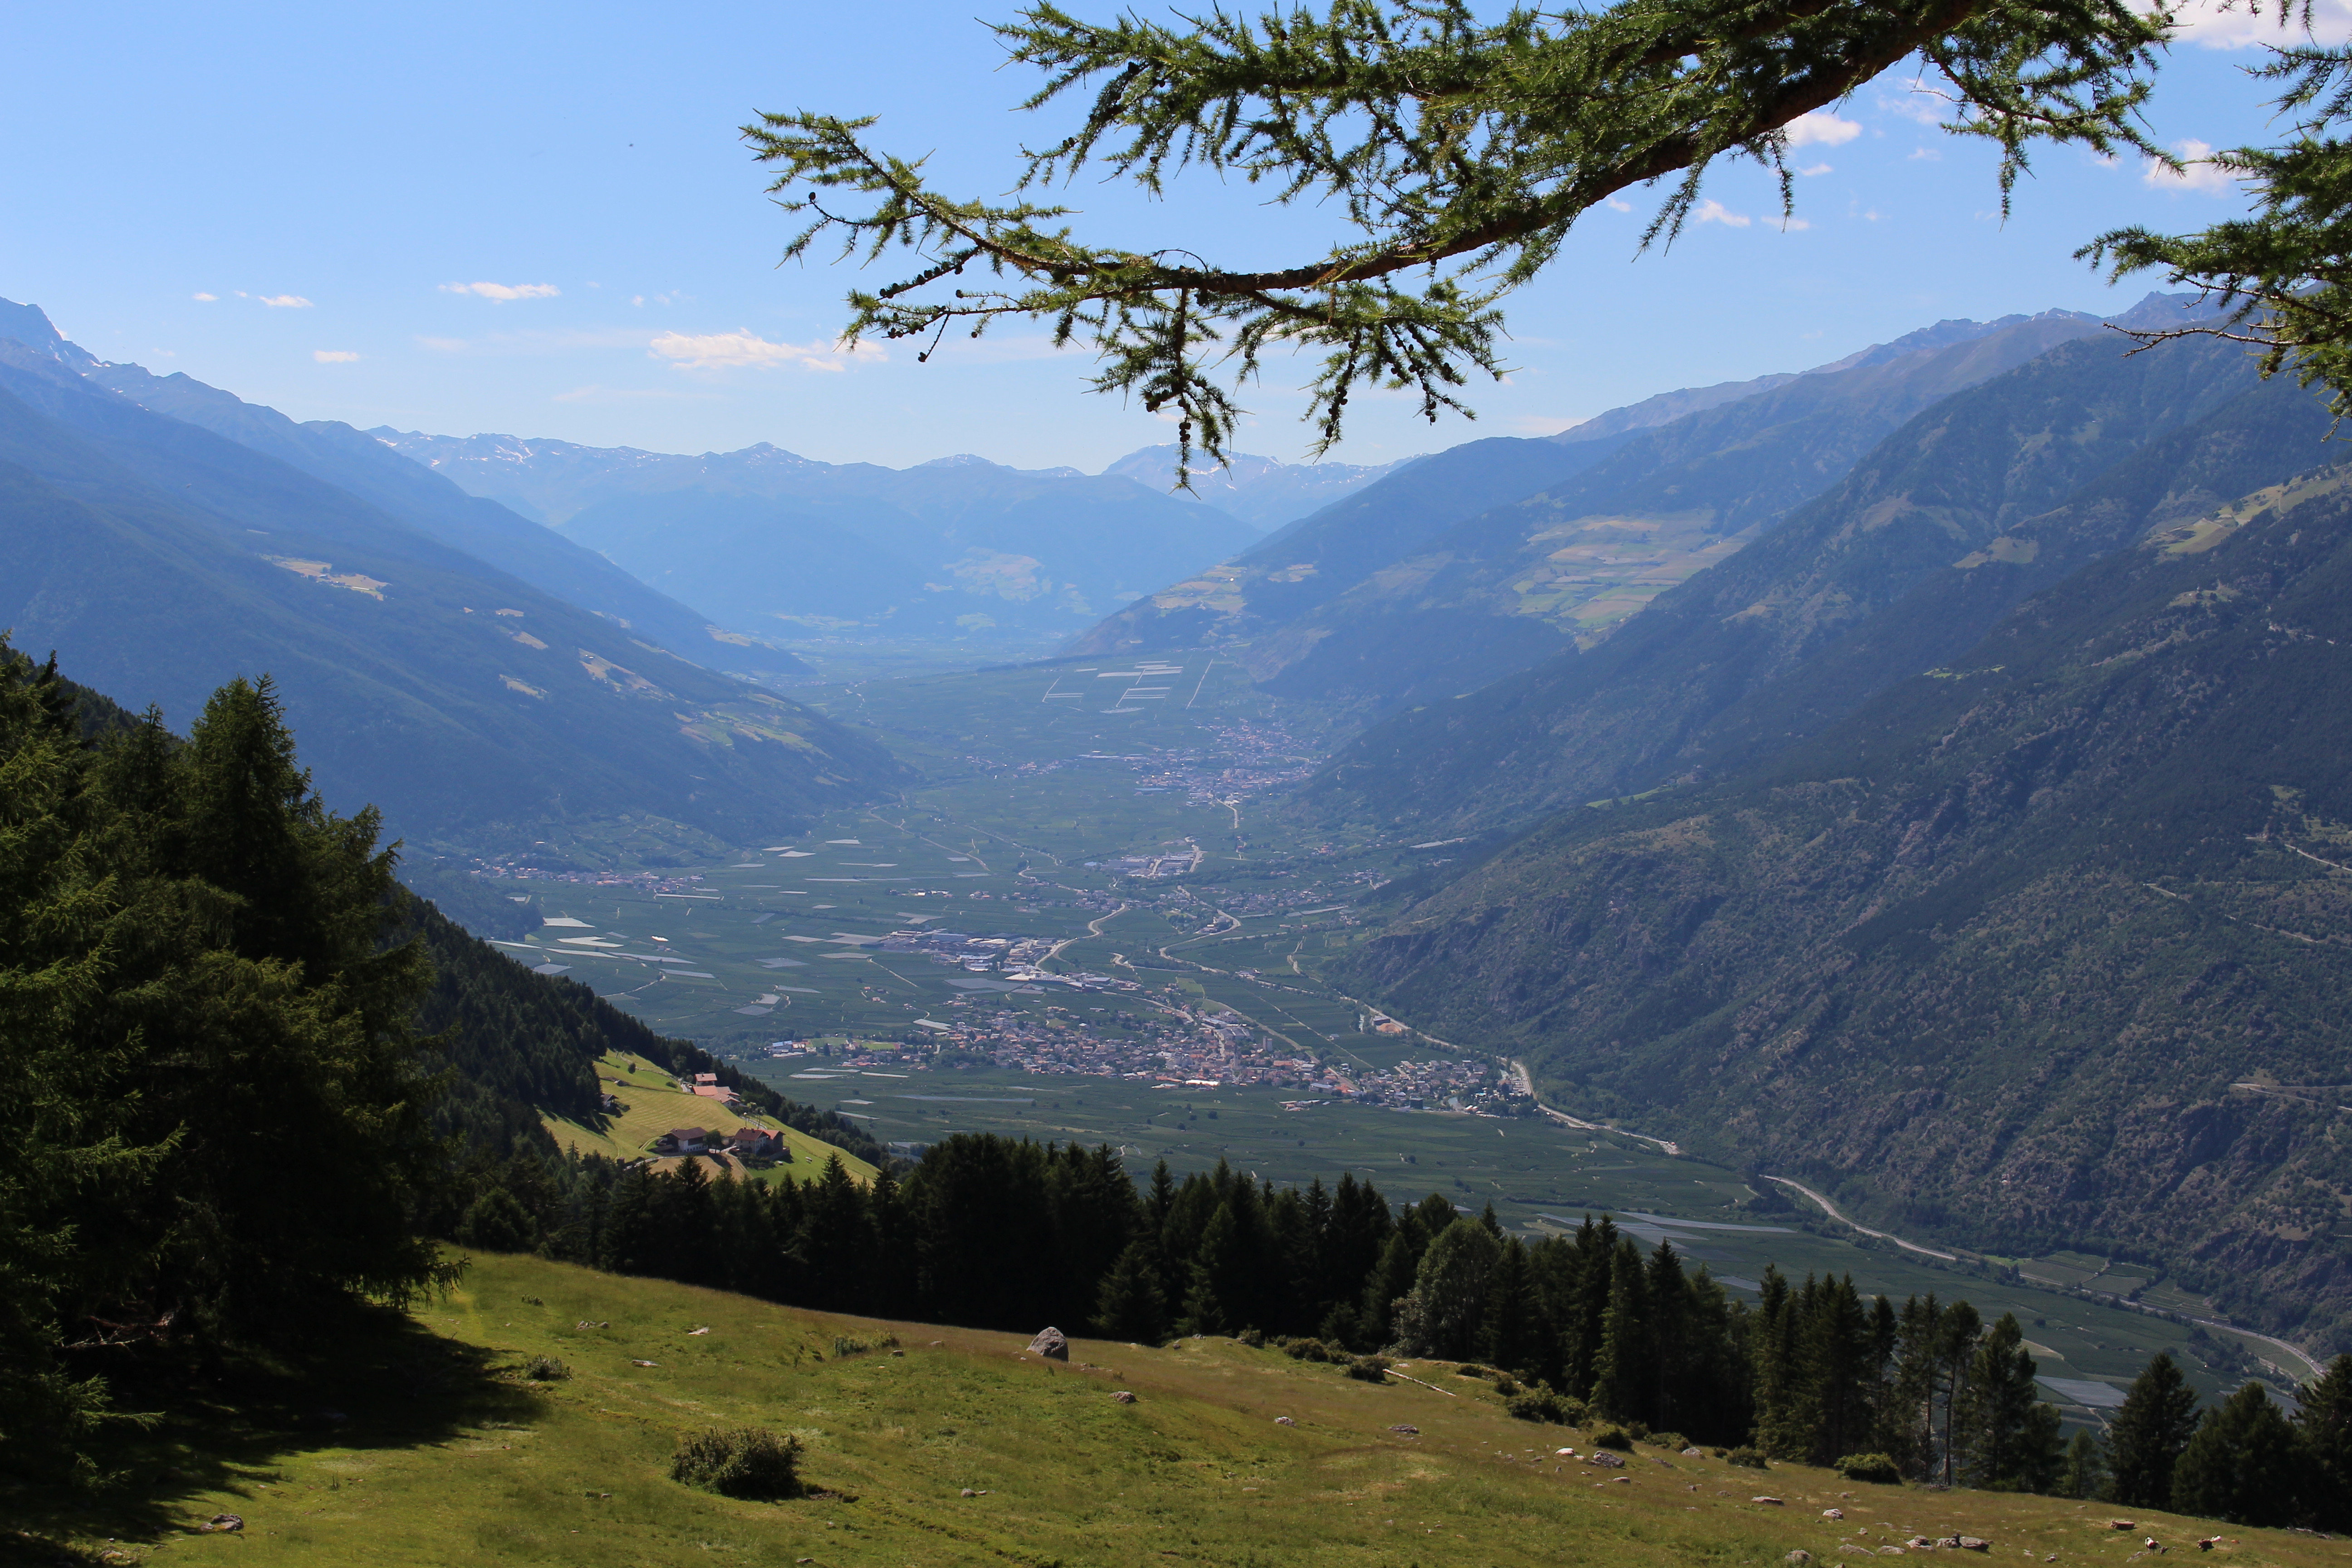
1284 1421
1051 1343
1768 1501
1605 1459
225 1521
1124 1397
1801 1555
1970 1543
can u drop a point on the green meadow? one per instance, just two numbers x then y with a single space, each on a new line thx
421 1440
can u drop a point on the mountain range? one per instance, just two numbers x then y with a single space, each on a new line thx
2046 946
159 558
1501 554
769 543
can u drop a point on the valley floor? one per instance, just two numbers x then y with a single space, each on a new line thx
964 1448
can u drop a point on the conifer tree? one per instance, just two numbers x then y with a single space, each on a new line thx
2324 1422
1215 1264
2083 1474
1460 149
2005 1446
1623 1372
1513 1325
2148 1434
1956 1333
2242 1465
1130 1306
1390 1282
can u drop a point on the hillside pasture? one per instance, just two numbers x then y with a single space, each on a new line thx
962 1448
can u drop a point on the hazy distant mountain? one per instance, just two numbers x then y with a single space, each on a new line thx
1261 491
1499 554
770 543
344 458
2019 952
160 559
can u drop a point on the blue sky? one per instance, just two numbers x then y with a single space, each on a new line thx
539 220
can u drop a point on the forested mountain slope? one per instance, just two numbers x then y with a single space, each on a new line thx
161 560
1906 563
2038 950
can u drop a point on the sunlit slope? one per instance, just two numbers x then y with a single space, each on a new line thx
966 1450
655 1105
1902 566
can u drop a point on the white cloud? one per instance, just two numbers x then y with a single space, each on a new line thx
208 299
335 356
1822 128
716 351
504 291
1925 155
2200 175
1810 170
1792 225
2242 24
1919 100
442 345
1713 211
1615 206
278 302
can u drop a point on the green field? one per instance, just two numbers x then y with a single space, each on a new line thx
419 1442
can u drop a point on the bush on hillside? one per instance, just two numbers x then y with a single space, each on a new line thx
1751 1458
844 1347
1875 1467
1542 1404
546 1369
1614 1437
1311 1350
743 1462
1369 1368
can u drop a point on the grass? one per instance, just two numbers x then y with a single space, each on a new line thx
657 1105
476 1465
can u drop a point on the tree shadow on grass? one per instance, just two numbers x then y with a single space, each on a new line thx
372 1380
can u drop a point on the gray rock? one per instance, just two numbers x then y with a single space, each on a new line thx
1052 1344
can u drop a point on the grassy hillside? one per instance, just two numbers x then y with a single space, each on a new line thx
656 1104
422 1443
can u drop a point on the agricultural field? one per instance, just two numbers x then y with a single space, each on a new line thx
423 1441
1110 824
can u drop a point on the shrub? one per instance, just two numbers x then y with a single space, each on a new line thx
843 1346
1876 1467
1635 1430
1674 1440
1614 1437
1369 1368
1504 1383
546 1369
745 1462
1308 1350
1254 1338
1753 1458
1470 1369
1540 1403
